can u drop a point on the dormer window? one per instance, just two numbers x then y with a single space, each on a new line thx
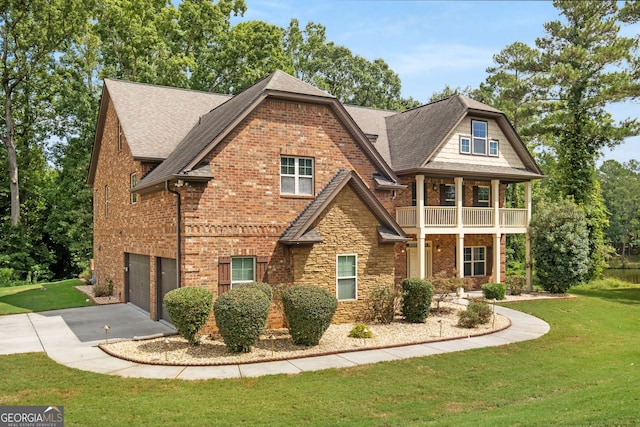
479 137
465 145
493 147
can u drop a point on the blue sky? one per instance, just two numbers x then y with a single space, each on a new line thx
430 43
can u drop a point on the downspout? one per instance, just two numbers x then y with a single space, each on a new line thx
178 231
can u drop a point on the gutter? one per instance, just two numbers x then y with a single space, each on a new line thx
178 230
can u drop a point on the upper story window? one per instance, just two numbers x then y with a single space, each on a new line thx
483 196
479 137
414 194
242 271
106 201
346 277
465 145
119 137
493 147
134 182
296 175
449 195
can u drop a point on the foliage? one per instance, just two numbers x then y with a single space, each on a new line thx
26 298
383 304
309 310
606 283
360 331
444 284
103 288
495 291
5 277
241 316
265 288
515 283
189 309
560 245
416 299
478 312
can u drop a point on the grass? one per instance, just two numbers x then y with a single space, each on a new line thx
31 298
585 371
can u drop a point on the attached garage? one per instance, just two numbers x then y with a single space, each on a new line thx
138 280
167 281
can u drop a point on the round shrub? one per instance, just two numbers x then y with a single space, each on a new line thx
416 300
263 287
309 310
494 291
241 315
477 313
189 309
360 331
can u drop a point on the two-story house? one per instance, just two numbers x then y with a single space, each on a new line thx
284 184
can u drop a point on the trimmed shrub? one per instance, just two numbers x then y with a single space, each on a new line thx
189 309
416 300
383 304
494 291
263 287
478 312
360 331
103 289
309 310
515 283
241 315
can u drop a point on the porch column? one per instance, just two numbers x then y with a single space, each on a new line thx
460 255
420 225
527 236
495 202
459 201
496 258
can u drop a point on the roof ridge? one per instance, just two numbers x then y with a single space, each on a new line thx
182 89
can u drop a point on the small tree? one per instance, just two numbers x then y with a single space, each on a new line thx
443 286
560 243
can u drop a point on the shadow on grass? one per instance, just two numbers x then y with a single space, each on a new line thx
630 296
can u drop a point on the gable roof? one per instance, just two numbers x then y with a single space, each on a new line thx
214 126
300 231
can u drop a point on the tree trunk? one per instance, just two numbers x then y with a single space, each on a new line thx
12 158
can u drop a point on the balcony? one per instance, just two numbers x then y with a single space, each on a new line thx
446 216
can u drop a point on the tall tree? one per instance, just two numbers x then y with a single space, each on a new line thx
30 37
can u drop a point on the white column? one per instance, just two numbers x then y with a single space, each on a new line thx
496 258
420 219
527 256
460 255
495 196
459 201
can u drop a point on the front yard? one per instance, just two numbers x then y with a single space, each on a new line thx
584 371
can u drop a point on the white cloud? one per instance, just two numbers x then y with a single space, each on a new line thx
441 57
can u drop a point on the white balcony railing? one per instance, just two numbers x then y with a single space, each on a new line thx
446 216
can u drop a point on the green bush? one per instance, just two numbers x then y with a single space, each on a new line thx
263 287
103 288
494 291
241 316
309 310
383 304
478 312
416 300
560 245
360 331
189 309
515 283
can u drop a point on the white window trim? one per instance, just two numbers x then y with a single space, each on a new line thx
241 282
347 277
296 176
134 182
497 148
469 141
454 194
473 261
488 201
486 138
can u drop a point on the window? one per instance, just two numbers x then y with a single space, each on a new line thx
119 137
483 196
465 145
296 175
106 201
414 194
134 182
242 271
479 132
346 274
449 195
474 261
493 147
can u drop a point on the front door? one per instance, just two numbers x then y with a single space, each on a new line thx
413 269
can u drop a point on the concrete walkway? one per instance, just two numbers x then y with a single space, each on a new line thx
70 337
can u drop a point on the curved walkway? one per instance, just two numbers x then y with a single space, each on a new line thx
71 336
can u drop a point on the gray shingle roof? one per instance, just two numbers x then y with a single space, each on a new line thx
300 231
478 171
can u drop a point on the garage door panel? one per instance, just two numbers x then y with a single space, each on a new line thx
140 281
167 281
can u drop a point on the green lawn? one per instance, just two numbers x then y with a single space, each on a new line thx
41 297
585 371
